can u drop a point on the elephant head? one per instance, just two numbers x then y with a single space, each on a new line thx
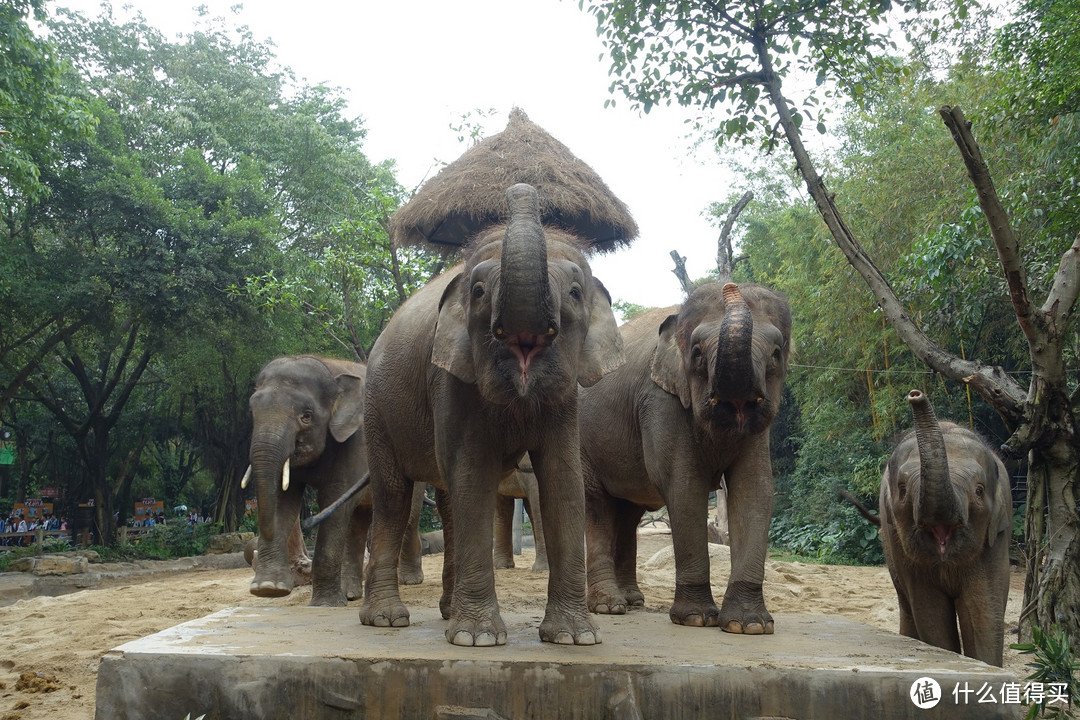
300 404
725 355
944 490
525 317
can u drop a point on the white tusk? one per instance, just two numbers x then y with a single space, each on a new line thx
285 476
244 480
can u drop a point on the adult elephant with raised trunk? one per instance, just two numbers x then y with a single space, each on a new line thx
691 406
477 368
946 520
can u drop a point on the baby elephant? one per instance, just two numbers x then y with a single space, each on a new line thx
946 518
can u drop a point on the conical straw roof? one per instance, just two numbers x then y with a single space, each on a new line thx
469 194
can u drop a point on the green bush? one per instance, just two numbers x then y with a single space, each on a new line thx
1053 664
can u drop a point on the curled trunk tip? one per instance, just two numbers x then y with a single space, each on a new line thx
731 293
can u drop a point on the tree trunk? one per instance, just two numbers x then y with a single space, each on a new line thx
1041 418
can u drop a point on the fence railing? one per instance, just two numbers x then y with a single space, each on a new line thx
12 540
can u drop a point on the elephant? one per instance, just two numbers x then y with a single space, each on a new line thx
691 407
521 484
477 368
308 430
946 520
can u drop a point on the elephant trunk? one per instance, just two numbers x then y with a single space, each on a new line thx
524 309
937 506
734 379
269 463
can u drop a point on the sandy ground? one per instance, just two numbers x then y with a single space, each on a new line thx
52 645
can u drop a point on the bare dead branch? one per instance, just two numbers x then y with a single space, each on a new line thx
680 271
725 256
1000 227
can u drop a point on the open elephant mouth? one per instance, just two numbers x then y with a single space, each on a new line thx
743 416
525 347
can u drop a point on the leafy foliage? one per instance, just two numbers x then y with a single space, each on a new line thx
1052 663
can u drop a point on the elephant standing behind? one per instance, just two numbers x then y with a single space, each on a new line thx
477 368
307 429
521 484
691 406
946 520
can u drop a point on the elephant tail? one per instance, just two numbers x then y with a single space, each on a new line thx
329 509
846 494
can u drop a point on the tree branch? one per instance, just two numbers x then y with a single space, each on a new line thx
680 271
992 383
1000 227
725 256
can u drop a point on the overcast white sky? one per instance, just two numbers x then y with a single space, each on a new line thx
411 68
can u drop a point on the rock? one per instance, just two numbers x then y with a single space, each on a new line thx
50 565
229 543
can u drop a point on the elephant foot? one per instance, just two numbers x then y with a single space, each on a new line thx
695 614
410 576
329 599
744 610
269 588
503 563
352 588
389 613
568 628
540 565
608 599
484 630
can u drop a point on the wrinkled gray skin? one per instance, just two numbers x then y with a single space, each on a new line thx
309 410
692 405
474 370
521 484
946 516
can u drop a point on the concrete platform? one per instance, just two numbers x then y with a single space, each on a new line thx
314 663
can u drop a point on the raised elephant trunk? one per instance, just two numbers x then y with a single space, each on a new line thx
733 378
523 306
936 506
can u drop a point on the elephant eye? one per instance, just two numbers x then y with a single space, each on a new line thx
979 491
575 291
478 291
305 417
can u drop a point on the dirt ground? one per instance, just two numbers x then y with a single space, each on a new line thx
52 645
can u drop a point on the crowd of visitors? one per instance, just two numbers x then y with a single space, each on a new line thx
16 523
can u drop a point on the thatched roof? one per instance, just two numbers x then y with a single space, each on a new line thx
468 195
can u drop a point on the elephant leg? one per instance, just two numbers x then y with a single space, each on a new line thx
626 528
326 589
934 614
273 572
474 608
605 596
298 557
504 530
532 506
981 613
558 473
410 563
694 604
750 503
391 493
352 570
446 514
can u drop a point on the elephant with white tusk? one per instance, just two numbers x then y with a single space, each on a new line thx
308 431
946 520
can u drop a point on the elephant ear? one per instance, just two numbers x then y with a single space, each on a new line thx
602 351
1001 514
667 363
347 413
452 348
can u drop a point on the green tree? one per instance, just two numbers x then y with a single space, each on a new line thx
737 56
